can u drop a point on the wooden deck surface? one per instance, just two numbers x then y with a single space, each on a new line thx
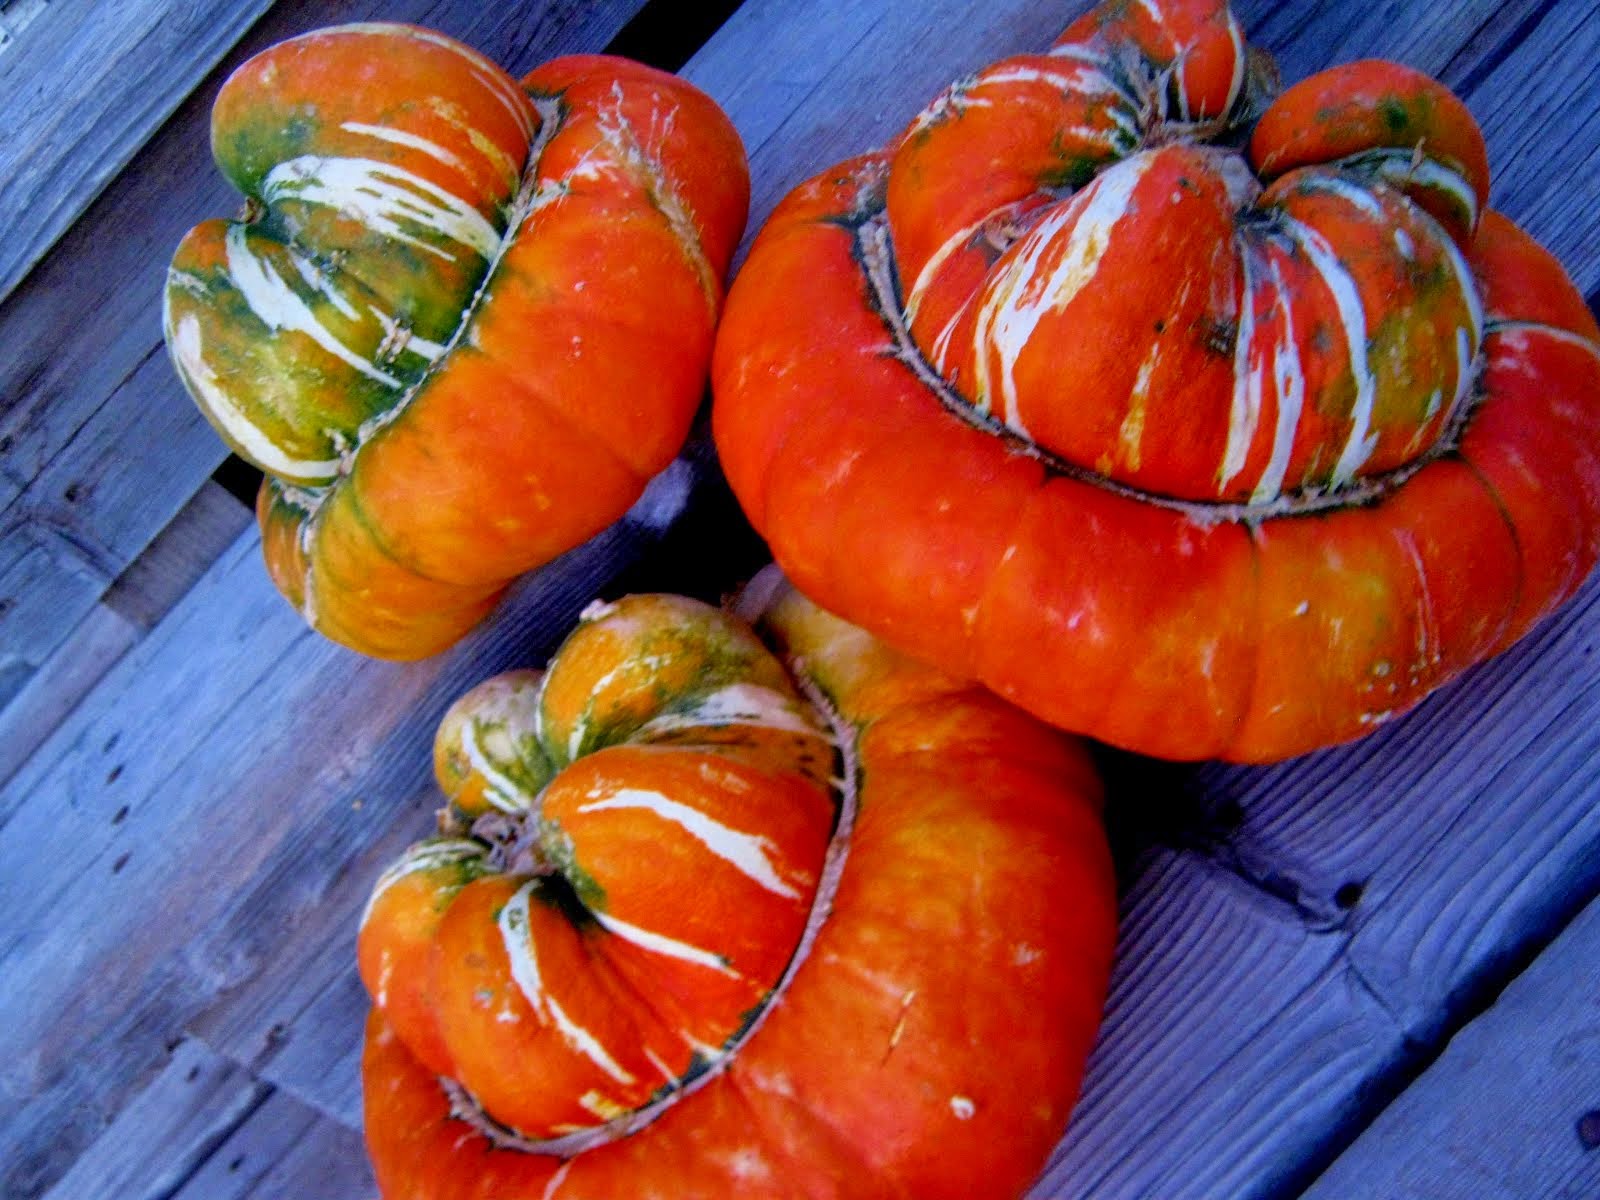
1371 972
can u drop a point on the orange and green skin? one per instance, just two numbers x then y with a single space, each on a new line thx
1141 600
526 360
565 756
932 1042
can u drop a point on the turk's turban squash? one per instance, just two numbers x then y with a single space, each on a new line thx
704 921
461 322
1201 449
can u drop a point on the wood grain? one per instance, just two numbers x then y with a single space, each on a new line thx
283 1150
82 90
43 701
134 602
191 828
194 1103
17 16
1508 1108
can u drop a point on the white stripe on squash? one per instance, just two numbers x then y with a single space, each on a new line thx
409 140
1017 300
1352 316
517 936
501 791
1244 414
746 852
279 307
661 944
1289 391
422 856
737 704
379 196
185 340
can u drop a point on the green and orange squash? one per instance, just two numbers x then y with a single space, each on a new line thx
461 322
711 919
1206 423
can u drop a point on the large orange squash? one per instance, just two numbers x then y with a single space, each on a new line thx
704 922
1203 451
461 322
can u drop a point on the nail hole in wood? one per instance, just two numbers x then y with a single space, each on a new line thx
1589 1130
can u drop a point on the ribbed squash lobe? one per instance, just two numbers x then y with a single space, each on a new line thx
461 322
809 916
1166 443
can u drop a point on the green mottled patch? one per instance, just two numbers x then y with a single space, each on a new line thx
720 659
559 852
1392 111
247 152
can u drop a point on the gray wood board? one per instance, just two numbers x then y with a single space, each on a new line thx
100 448
194 1102
135 601
82 89
1512 1106
219 790
284 1149
189 842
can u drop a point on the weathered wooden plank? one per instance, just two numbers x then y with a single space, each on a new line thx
1232 1032
49 693
299 1026
1509 1108
155 581
283 1150
135 601
90 516
1451 836
190 827
17 16
195 1102
82 90
1544 135
1426 862
118 484
42 570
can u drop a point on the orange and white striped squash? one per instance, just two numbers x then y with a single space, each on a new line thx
1204 451
461 322
704 922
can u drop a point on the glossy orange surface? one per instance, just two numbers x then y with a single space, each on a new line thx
926 1040
1203 452
462 322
